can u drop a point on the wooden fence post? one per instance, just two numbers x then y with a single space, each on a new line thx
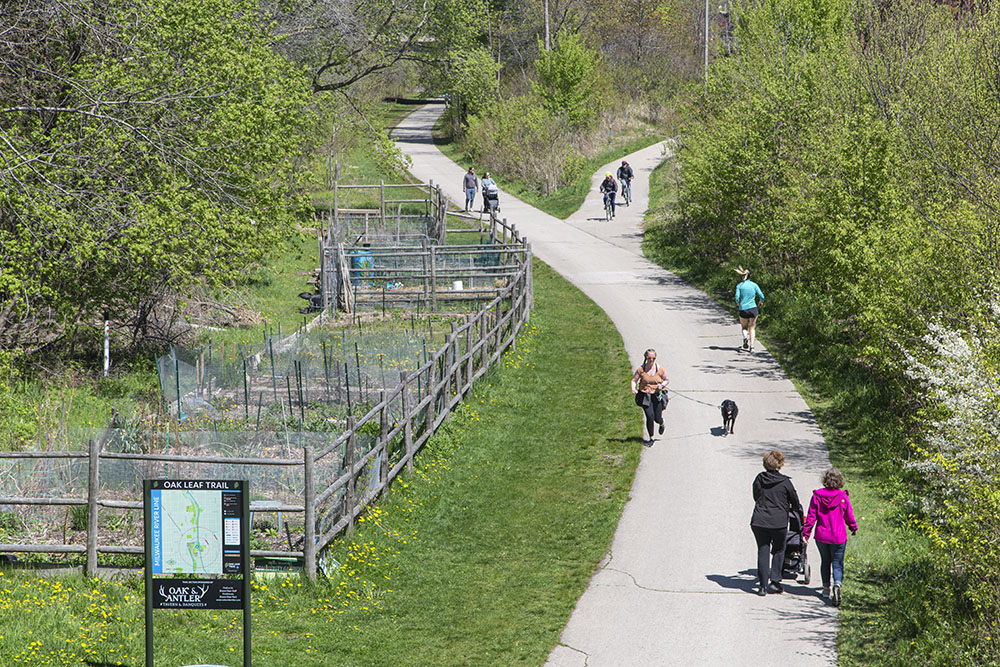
350 501
423 259
432 385
309 530
497 349
531 282
92 495
468 350
434 297
383 432
454 375
484 352
442 217
407 420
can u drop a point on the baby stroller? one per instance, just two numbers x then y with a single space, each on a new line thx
795 563
491 199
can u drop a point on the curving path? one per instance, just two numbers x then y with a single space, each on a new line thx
675 587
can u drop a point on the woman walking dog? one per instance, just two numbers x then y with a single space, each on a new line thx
648 382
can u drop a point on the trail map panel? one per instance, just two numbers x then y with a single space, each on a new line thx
196 527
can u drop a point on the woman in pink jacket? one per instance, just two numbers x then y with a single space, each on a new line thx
829 511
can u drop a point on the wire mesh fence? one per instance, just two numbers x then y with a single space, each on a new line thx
318 423
315 378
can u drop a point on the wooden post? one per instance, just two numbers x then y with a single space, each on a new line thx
93 489
484 358
423 259
382 204
432 385
469 365
531 282
349 499
407 420
309 532
442 217
453 367
335 207
496 348
434 299
383 432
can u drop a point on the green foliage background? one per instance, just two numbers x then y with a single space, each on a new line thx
164 159
843 154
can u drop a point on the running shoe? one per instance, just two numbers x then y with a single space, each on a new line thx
835 597
746 343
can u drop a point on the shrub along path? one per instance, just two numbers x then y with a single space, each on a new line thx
675 586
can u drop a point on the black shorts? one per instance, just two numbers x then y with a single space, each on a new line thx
749 314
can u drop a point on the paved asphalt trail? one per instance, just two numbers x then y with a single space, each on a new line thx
676 586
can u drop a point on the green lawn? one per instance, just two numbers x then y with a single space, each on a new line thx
566 200
475 559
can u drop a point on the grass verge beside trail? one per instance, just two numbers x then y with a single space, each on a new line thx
896 610
565 201
477 558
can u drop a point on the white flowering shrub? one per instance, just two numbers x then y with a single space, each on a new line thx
957 457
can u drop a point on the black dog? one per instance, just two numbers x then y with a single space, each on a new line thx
729 412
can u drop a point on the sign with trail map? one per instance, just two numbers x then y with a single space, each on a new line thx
197 527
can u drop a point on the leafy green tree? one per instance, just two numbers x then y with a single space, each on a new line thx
473 75
571 80
143 152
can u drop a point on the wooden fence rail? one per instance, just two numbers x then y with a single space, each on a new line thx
428 396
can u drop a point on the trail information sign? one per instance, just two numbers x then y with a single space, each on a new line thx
197 527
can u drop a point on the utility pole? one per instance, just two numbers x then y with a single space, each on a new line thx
548 44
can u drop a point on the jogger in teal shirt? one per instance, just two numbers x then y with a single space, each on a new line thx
747 293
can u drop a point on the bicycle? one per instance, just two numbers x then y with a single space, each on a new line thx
626 192
607 207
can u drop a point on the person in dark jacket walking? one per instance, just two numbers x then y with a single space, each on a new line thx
774 497
470 183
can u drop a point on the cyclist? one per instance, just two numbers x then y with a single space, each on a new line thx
747 293
609 188
625 177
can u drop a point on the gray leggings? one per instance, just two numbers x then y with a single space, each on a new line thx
653 409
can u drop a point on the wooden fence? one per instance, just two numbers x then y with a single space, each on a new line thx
427 396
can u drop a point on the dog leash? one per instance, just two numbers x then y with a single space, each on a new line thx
674 391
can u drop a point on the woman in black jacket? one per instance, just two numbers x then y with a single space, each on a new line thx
774 497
